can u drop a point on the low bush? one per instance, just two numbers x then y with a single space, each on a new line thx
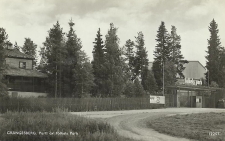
45 126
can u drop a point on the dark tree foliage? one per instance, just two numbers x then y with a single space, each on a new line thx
214 63
128 51
43 61
170 73
161 53
134 89
138 89
84 78
222 54
149 83
3 43
68 67
114 77
72 64
141 56
175 52
53 47
29 48
129 90
98 64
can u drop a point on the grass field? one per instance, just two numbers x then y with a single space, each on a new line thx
58 126
201 126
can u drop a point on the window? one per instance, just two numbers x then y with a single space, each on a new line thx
22 65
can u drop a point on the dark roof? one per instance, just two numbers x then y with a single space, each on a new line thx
24 72
14 53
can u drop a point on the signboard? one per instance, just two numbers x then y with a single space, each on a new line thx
157 99
193 81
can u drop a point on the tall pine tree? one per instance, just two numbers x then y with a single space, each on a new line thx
175 52
114 77
141 56
73 63
98 64
128 52
161 53
53 47
213 57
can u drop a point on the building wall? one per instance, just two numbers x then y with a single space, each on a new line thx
14 62
194 69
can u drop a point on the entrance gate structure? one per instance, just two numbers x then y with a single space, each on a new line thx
193 96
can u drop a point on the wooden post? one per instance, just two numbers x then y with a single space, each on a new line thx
191 98
188 99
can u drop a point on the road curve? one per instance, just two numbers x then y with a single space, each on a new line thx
132 123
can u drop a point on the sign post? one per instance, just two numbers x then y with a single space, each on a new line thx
154 99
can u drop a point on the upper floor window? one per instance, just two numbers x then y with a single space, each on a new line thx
22 65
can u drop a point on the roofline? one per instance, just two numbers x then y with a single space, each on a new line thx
11 56
19 57
189 61
198 62
26 76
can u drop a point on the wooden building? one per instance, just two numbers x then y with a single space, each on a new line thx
192 91
21 77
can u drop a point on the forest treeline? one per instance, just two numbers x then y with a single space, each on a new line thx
114 71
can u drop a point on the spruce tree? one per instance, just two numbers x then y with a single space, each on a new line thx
213 57
141 56
175 52
114 77
97 64
161 53
73 63
85 79
128 52
3 42
53 47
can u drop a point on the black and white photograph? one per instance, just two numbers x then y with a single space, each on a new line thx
112 70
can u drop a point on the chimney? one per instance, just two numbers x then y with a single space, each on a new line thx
9 45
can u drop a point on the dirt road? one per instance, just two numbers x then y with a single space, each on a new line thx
132 123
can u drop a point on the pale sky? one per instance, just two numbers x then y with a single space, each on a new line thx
33 19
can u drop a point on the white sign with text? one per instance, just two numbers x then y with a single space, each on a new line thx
157 99
192 81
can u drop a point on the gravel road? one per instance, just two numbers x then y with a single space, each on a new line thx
132 123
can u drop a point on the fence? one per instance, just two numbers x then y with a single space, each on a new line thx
75 104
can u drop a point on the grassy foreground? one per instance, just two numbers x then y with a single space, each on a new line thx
44 126
201 126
